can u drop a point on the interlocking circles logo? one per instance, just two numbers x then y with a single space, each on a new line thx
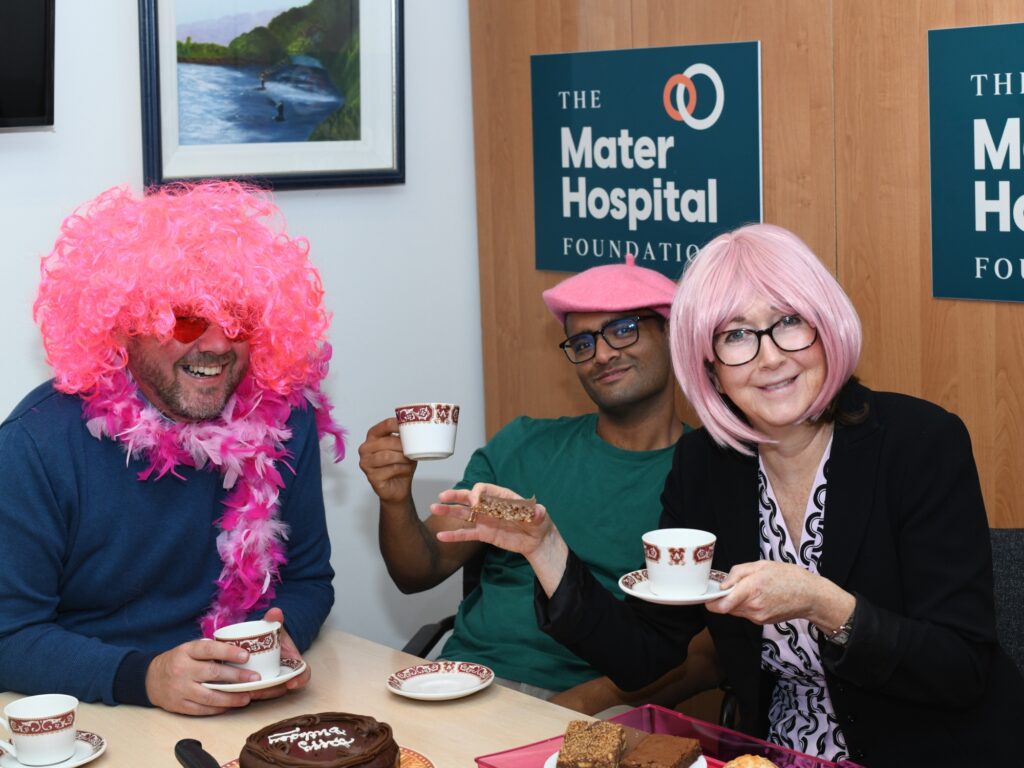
680 96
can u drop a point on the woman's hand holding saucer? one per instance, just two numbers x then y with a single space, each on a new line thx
536 539
768 592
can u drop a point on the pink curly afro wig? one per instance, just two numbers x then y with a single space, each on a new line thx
123 265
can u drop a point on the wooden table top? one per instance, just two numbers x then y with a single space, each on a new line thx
349 674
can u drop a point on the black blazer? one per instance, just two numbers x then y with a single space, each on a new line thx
922 680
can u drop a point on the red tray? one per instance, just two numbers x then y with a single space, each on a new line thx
718 744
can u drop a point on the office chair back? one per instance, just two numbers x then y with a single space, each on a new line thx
1008 570
425 641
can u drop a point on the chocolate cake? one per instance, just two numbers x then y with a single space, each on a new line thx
504 509
661 750
591 745
325 740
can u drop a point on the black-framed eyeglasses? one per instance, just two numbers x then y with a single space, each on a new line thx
738 346
617 334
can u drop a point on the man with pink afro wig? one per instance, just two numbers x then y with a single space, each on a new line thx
614 321
166 481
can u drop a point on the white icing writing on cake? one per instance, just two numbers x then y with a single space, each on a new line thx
307 740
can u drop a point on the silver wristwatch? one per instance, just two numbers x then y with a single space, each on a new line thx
842 635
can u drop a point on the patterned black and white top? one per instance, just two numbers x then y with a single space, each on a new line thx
801 715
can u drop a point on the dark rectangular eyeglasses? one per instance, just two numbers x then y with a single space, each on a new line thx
617 334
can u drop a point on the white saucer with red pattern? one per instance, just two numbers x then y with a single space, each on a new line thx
636 584
289 669
440 680
88 746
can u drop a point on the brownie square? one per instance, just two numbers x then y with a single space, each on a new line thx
660 750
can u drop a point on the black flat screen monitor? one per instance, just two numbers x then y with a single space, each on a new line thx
26 62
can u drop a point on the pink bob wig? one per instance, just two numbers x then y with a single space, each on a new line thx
124 265
759 260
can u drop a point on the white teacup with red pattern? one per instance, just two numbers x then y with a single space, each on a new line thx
678 561
42 728
262 639
427 430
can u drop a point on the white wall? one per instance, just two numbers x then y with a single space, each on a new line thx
399 264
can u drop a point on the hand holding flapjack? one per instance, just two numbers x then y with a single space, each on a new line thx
501 520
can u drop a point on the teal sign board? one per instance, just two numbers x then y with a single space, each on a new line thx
648 151
976 104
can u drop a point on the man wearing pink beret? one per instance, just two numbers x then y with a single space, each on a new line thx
600 475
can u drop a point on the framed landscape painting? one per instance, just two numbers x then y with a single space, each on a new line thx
284 93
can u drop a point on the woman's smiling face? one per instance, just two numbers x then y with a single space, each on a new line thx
775 389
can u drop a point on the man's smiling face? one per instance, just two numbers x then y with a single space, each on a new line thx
188 382
617 379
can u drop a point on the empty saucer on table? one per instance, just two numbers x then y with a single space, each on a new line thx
88 746
636 584
437 680
289 669
552 762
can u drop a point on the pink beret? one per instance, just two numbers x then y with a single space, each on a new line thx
612 288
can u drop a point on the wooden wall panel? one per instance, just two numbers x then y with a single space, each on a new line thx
846 166
523 372
968 356
796 96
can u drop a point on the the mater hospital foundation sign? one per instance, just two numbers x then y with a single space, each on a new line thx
648 151
976 104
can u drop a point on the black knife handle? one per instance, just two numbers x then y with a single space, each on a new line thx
190 753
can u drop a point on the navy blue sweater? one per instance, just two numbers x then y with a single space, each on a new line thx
100 571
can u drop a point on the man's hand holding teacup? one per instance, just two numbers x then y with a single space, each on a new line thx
385 466
174 680
288 651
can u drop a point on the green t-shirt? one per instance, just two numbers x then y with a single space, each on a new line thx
602 499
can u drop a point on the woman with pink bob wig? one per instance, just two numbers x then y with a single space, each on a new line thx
124 265
766 260
853 612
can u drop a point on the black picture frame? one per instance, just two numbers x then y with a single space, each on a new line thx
26 64
376 158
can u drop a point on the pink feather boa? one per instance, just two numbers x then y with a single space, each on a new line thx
245 445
